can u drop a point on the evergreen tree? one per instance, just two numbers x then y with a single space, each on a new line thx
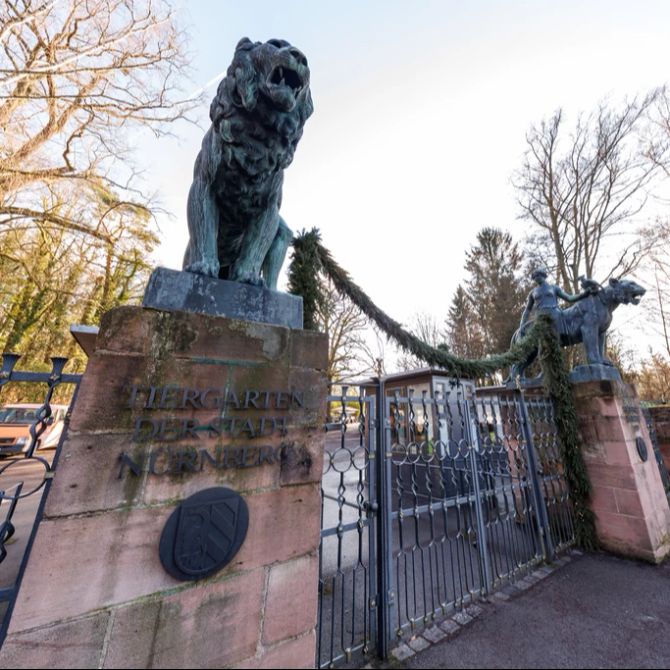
485 313
464 334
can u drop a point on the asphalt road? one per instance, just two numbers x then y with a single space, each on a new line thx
599 611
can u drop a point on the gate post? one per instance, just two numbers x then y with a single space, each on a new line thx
182 527
385 594
472 436
627 494
538 498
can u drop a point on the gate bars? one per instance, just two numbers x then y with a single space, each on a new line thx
347 619
17 472
445 498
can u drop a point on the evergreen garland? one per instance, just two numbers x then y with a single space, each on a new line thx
303 275
556 382
310 257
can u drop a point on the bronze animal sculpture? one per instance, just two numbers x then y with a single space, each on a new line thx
587 321
257 117
545 296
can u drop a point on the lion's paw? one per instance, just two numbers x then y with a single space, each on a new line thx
248 278
205 267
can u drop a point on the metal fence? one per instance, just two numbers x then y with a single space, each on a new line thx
662 469
448 496
26 471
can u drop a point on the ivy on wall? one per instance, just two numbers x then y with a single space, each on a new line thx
310 258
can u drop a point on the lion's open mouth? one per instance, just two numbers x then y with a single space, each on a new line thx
285 76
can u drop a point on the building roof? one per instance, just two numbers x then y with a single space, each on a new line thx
398 376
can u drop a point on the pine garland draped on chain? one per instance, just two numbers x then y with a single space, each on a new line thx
310 258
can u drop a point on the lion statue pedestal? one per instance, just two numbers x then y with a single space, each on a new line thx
174 291
594 373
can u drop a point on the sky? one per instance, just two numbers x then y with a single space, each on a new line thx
421 111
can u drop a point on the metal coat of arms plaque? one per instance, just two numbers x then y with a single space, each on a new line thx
204 533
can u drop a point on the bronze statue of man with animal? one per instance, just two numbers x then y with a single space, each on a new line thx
586 321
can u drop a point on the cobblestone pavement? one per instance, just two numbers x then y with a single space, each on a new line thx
586 611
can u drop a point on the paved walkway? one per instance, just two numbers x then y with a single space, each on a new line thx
595 611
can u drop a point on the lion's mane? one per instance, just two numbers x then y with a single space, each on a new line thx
257 120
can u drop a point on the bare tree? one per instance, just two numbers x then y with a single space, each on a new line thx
582 187
51 278
653 379
75 77
372 354
661 302
660 118
656 277
625 358
79 79
427 328
345 326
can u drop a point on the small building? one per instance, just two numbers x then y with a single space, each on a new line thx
427 397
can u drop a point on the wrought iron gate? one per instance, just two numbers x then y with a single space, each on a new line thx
25 477
453 493
662 469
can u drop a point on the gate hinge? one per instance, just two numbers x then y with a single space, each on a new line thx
372 603
390 598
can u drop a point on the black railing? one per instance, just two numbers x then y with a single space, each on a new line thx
26 470
662 469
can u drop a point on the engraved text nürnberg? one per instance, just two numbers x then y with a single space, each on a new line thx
247 414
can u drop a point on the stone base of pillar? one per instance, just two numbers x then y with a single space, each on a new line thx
628 499
172 404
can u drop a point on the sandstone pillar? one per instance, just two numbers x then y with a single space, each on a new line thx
628 499
172 404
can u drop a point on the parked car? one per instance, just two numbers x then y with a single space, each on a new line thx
351 414
15 422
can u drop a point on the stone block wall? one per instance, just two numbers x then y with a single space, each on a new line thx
94 593
628 499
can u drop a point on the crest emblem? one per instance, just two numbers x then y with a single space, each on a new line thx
204 533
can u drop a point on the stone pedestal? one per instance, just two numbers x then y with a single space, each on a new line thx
174 290
594 373
172 404
628 499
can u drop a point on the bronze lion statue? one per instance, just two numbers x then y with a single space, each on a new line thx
588 320
257 117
